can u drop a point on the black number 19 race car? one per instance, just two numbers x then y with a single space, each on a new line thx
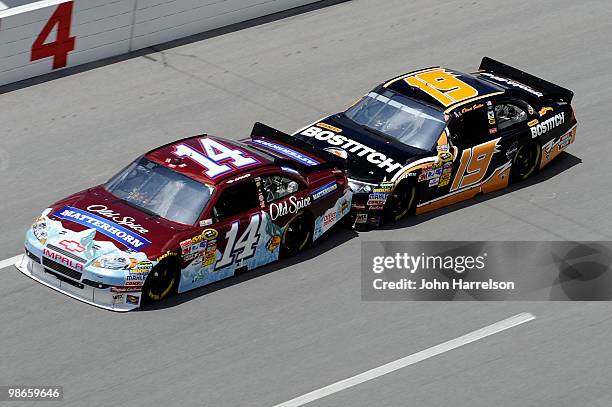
436 136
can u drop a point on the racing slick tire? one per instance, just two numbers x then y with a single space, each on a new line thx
161 282
297 235
400 201
526 161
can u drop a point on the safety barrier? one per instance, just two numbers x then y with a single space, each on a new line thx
50 35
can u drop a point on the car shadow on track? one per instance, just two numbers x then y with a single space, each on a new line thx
333 238
561 163
168 45
340 234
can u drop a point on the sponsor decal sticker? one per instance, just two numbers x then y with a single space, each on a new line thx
548 124
125 289
329 219
116 217
513 83
240 178
273 243
354 147
324 190
286 151
132 299
361 218
545 110
289 206
104 226
329 127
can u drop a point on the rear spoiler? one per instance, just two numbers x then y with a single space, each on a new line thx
548 89
328 160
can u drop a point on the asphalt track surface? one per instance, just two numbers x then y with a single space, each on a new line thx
299 325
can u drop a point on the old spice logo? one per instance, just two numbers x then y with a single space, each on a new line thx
72 246
117 217
63 260
290 206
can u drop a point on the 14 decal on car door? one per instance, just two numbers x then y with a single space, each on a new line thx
242 248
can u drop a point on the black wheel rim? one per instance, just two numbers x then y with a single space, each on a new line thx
296 235
160 283
400 201
526 161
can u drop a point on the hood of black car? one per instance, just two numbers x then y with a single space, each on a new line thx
371 157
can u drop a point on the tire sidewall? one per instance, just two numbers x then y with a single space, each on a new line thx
412 196
291 251
530 144
173 270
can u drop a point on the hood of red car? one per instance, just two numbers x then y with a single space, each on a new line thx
115 221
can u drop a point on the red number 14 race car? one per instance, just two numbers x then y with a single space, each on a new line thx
185 215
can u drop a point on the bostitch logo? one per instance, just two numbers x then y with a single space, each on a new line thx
548 125
72 246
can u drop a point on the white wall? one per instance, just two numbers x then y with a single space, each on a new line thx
104 28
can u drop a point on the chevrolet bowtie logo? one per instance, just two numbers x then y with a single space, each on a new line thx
72 246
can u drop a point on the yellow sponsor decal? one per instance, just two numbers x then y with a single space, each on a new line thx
329 127
545 110
533 122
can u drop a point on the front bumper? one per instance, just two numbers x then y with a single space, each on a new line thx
99 297
362 215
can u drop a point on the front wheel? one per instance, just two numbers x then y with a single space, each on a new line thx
160 283
297 235
400 201
525 162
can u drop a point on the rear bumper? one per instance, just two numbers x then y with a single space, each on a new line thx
99 297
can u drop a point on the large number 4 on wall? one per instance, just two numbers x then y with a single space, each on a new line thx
63 44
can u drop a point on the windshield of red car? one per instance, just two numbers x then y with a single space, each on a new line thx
159 190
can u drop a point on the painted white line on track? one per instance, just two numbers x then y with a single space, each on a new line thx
409 360
10 262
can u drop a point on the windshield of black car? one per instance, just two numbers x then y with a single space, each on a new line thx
404 119
160 190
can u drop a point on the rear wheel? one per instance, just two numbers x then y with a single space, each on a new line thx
525 162
400 201
297 235
161 282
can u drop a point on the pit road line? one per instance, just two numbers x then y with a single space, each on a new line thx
410 360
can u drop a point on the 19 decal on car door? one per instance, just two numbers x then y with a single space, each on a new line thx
474 164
